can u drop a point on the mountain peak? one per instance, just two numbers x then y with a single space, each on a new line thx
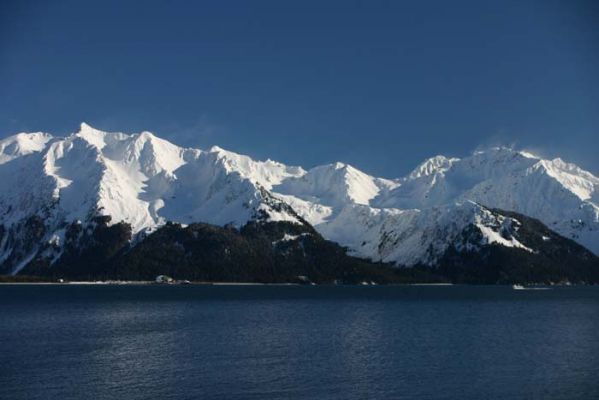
91 135
502 154
83 126
433 165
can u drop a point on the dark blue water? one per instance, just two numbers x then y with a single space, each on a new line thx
272 342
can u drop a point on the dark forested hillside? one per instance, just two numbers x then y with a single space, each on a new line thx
289 252
258 252
549 257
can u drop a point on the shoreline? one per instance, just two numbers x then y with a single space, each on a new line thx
139 283
205 283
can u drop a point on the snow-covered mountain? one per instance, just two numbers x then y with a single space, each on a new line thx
48 183
414 219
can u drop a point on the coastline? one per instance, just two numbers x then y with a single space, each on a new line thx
138 283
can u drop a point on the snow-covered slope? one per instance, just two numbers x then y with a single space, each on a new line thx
559 194
414 219
146 181
22 144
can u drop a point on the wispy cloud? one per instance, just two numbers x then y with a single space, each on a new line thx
199 133
499 138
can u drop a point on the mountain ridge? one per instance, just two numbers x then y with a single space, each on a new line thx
146 181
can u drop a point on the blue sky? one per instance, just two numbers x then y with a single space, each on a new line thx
380 85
